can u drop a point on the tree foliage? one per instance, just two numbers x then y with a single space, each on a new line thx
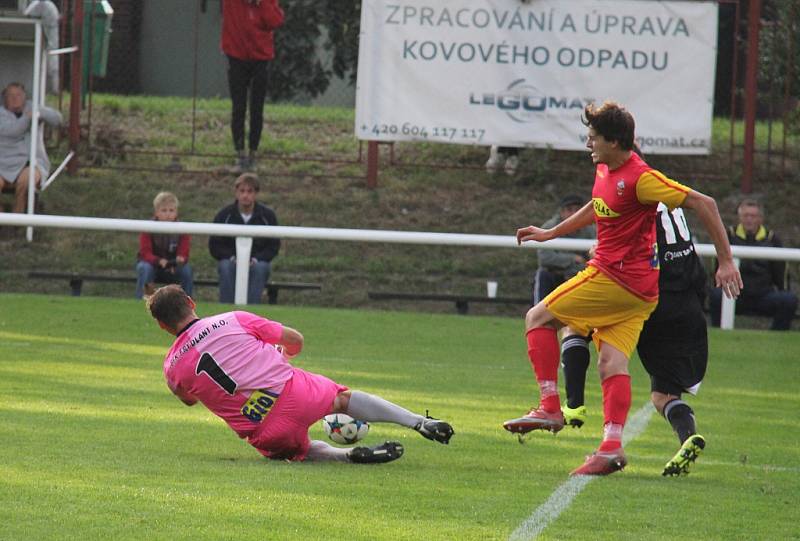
319 40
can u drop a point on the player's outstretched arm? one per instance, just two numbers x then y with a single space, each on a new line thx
727 277
291 342
582 218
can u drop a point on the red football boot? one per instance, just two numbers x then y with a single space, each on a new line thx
602 463
536 419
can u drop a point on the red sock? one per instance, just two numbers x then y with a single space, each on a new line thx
616 404
544 354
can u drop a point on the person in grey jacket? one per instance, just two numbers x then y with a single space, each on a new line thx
15 143
557 266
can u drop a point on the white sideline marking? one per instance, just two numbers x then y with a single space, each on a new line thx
752 466
569 489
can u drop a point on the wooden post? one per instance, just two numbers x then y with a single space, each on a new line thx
751 93
372 164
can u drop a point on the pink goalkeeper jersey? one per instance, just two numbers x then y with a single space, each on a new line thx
229 363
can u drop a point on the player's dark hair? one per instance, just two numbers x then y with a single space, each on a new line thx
612 121
169 305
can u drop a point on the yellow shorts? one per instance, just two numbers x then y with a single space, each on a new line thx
590 300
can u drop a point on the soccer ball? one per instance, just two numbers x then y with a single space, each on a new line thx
344 429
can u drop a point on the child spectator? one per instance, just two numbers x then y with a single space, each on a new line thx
164 258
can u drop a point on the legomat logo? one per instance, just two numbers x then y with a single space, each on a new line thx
522 101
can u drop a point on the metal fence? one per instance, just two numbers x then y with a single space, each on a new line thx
171 49
244 239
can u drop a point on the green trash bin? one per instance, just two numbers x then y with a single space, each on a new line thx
97 15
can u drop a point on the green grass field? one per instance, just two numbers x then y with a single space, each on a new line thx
94 446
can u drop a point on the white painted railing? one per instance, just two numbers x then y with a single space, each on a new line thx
245 233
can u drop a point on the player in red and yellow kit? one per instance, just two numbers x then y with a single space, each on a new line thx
618 290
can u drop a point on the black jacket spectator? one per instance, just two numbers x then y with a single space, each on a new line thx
766 283
760 276
264 249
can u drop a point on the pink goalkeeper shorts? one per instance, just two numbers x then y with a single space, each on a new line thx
305 399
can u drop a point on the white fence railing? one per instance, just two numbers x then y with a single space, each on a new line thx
244 239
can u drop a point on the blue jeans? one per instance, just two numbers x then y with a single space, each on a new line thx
780 305
259 276
147 273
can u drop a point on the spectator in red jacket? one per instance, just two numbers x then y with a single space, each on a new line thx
164 258
247 41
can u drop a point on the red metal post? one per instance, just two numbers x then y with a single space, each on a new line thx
734 84
751 93
372 164
75 85
90 73
62 40
790 33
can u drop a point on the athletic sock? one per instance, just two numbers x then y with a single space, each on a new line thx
616 404
368 407
612 437
575 362
321 451
543 354
681 417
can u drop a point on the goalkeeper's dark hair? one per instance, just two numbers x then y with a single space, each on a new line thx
169 305
612 121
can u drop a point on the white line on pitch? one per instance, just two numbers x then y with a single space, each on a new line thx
569 489
752 466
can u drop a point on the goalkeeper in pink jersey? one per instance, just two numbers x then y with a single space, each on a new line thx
236 364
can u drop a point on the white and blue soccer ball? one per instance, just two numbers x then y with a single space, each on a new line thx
344 429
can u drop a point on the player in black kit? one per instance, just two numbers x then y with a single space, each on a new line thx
673 344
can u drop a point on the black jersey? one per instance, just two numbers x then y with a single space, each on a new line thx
673 345
681 269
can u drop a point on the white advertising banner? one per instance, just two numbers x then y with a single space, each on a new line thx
520 73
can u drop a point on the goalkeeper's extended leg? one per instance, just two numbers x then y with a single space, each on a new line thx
369 407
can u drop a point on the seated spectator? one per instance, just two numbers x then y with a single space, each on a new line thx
164 258
15 143
766 282
245 210
557 266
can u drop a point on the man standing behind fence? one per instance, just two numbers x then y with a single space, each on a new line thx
247 41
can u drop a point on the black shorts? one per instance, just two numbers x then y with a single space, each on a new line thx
673 345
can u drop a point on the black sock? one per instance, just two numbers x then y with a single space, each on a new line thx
681 417
575 362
